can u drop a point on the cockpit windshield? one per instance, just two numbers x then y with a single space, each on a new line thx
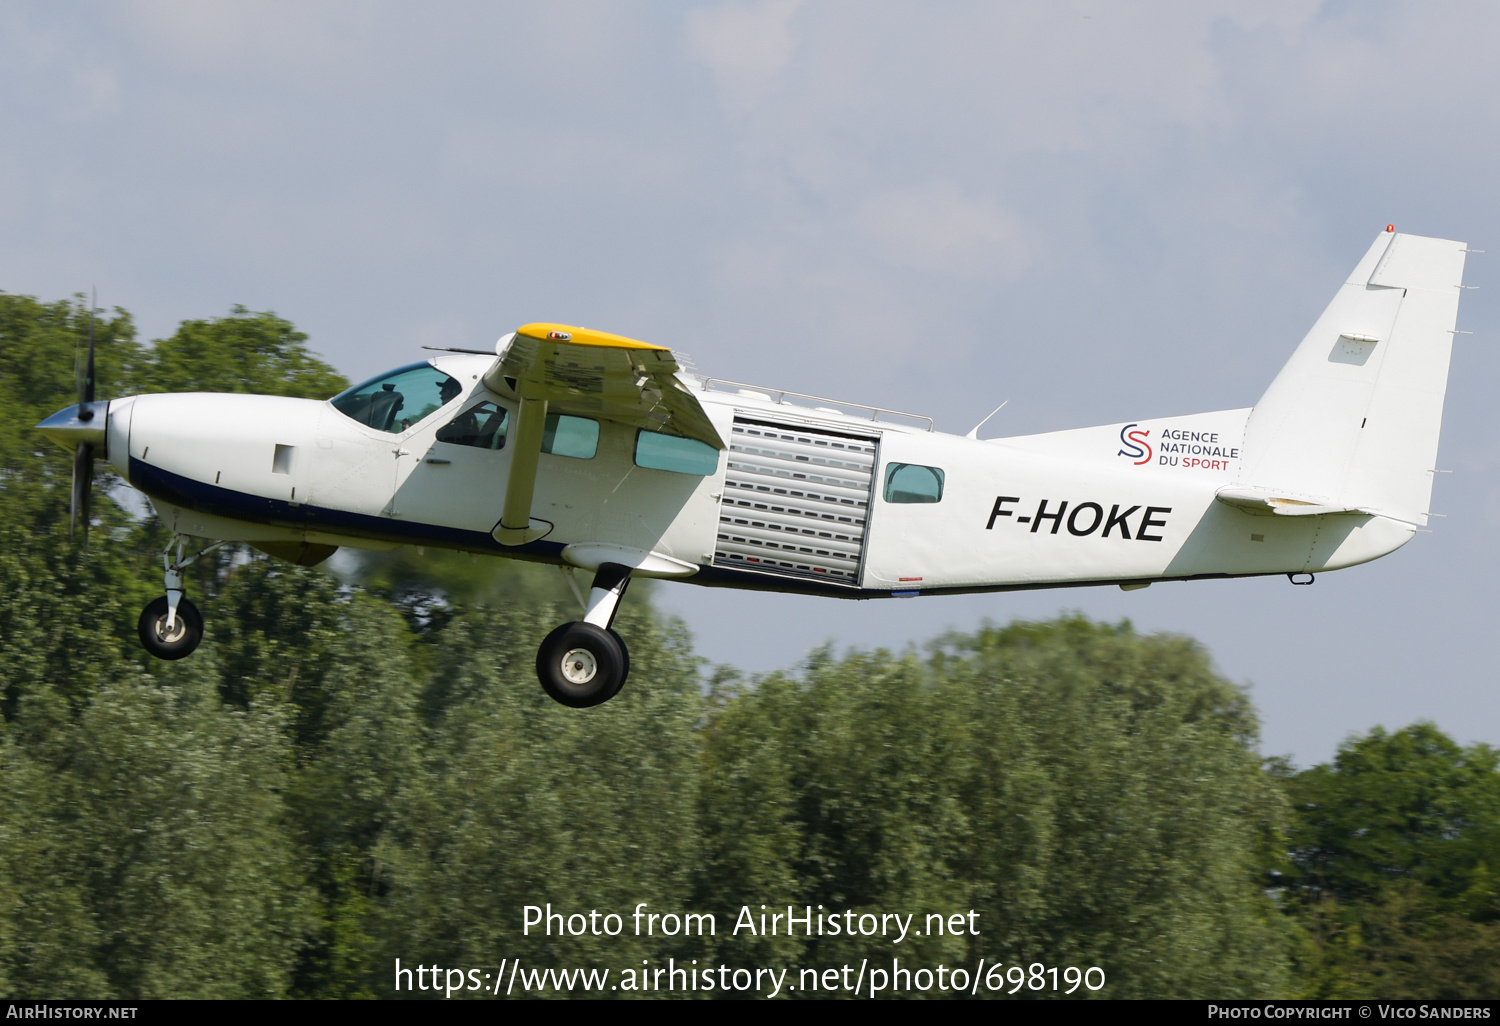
395 401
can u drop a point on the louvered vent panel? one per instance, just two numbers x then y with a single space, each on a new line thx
795 502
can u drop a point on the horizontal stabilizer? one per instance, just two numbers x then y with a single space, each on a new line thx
1254 501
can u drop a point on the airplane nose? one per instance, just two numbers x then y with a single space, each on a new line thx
86 422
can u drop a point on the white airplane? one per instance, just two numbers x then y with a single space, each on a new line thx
600 453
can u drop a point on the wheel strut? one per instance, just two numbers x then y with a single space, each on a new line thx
172 573
610 582
171 627
585 663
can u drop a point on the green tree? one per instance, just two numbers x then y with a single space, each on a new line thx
1125 807
258 353
1412 806
153 861
146 845
1093 794
361 747
1394 848
523 802
41 349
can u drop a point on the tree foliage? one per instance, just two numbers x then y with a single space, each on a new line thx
258 353
1394 856
1079 785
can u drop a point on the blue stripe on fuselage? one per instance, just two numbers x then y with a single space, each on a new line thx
218 501
233 505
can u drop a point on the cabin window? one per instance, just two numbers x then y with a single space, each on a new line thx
577 437
656 451
395 401
910 482
481 426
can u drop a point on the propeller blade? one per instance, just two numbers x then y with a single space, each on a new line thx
86 384
83 486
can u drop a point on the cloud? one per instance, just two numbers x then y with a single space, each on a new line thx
745 45
937 229
262 38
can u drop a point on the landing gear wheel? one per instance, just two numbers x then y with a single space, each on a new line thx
625 673
581 665
180 641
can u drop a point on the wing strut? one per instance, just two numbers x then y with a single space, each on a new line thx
516 526
583 373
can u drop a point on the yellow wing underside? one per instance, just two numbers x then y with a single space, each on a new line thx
608 377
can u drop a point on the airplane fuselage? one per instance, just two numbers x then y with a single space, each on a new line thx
804 499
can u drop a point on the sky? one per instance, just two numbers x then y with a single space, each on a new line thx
1097 212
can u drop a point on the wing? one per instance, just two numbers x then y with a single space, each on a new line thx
558 368
608 377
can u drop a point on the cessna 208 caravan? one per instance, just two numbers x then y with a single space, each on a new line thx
600 453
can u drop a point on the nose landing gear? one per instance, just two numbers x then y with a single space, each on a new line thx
171 627
169 633
585 663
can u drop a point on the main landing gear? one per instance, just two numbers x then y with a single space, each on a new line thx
171 627
581 664
585 662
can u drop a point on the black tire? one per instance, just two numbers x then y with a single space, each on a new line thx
187 633
581 665
624 651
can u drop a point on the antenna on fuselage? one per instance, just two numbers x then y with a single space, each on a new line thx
455 349
974 434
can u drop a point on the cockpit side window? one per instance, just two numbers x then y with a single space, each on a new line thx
577 437
485 426
482 426
656 451
394 402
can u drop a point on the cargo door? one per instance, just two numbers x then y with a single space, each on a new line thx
796 501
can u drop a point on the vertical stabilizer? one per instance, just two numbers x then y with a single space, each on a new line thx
1352 420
